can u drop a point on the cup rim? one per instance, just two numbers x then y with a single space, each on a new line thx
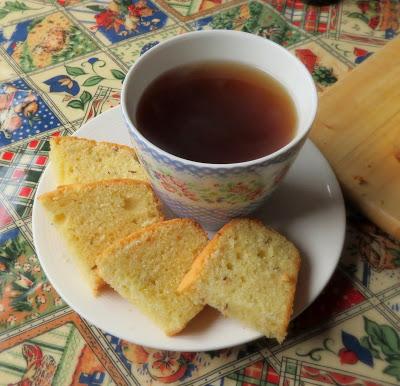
189 35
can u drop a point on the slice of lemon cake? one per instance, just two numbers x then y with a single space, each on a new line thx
247 272
80 160
147 267
93 216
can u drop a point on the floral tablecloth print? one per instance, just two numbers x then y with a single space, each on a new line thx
63 62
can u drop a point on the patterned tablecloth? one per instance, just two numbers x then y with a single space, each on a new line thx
61 63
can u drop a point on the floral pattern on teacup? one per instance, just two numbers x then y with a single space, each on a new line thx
175 186
215 191
232 192
228 192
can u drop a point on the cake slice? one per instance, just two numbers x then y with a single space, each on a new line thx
247 272
147 267
92 216
80 160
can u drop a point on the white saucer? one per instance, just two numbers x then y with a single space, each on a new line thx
308 208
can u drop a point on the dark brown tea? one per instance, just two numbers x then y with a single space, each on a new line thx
217 112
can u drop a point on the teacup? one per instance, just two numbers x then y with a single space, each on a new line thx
214 193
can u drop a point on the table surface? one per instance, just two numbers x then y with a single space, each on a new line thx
62 63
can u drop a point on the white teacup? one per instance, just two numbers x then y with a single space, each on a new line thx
215 193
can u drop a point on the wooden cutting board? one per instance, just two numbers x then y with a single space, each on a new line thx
358 130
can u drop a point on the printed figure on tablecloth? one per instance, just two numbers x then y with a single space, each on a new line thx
324 76
164 366
59 356
40 368
382 16
118 20
10 120
25 293
255 18
22 113
45 41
